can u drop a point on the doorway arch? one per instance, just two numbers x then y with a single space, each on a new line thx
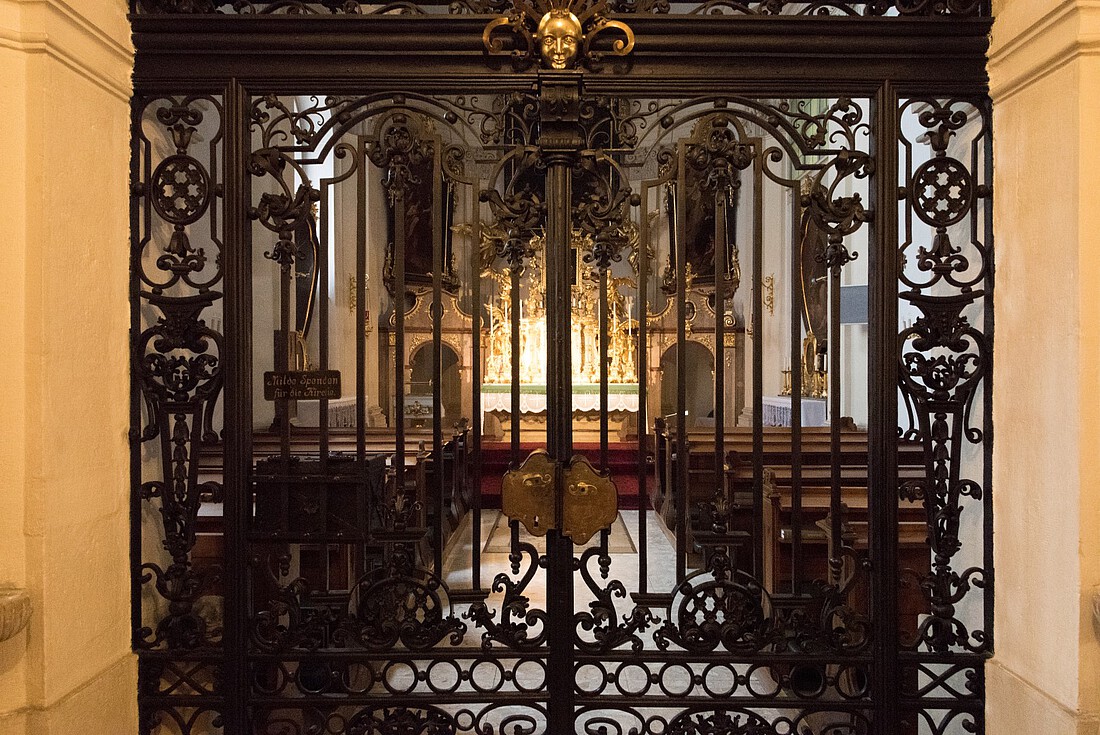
700 383
423 371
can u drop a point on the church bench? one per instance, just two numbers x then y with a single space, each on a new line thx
343 522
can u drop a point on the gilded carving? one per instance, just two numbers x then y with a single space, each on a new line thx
527 494
559 34
589 502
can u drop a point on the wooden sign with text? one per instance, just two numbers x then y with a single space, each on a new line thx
302 385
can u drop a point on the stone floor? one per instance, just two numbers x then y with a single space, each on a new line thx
660 552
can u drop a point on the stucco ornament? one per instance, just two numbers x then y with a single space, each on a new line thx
559 34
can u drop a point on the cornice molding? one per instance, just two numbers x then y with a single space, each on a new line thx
734 55
55 29
1068 32
121 48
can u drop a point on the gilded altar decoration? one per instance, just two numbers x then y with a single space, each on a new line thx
815 374
585 322
353 301
560 33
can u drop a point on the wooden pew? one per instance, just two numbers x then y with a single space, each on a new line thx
778 502
815 447
343 507
816 509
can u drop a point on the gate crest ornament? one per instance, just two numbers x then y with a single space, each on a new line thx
561 32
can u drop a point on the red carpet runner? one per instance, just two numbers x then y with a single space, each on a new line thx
622 460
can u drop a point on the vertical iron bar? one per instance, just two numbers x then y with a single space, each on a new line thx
835 509
720 252
286 358
139 172
475 455
758 366
643 375
399 334
682 459
605 339
515 323
238 403
559 428
561 139
883 408
323 317
361 301
796 352
439 220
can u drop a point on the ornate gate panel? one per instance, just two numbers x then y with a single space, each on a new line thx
544 369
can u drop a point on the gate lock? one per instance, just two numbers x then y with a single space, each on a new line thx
589 499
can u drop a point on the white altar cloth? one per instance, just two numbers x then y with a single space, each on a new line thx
777 411
621 397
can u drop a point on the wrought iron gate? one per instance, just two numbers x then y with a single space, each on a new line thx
597 367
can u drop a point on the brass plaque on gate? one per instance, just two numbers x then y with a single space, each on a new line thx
590 501
527 493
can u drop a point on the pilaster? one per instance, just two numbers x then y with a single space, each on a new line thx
63 473
1045 82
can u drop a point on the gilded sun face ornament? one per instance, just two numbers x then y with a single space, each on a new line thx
559 36
559 33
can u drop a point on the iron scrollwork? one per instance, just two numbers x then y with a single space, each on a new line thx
178 356
944 361
720 608
520 626
284 211
838 216
180 191
398 149
182 379
598 630
603 213
518 216
726 719
401 605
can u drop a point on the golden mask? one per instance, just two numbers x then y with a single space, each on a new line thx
559 36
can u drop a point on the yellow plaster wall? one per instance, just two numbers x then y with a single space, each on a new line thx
1088 296
1036 499
13 65
1045 80
64 74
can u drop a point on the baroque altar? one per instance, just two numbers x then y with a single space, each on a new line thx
585 309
